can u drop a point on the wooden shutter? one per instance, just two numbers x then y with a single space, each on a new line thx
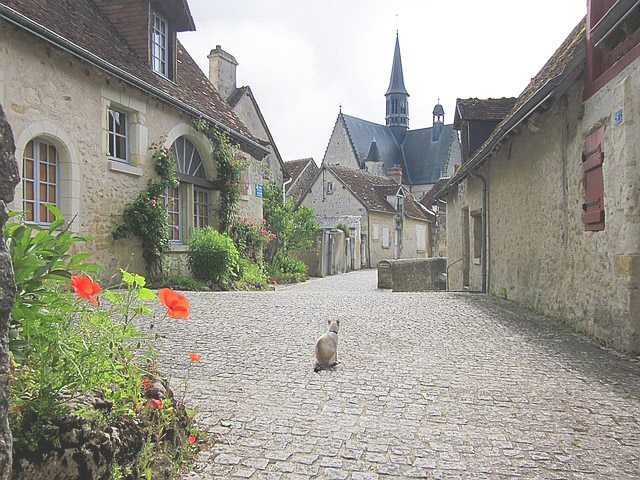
592 160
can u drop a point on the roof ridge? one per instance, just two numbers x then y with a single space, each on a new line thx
353 145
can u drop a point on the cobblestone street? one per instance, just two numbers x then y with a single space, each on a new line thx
433 385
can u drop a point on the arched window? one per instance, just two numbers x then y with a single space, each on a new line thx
188 204
39 181
187 158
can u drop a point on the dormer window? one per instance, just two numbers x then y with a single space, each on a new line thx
160 45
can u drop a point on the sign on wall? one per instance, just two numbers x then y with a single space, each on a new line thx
258 190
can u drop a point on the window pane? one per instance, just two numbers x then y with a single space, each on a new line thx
52 194
121 148
43 171
43 152
43 213
52 173
43 192
28 151
29 210
120 123
52 154
111 146
29 171
29 191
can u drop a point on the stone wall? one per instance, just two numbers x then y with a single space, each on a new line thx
8 182
413 275
539 253
339 150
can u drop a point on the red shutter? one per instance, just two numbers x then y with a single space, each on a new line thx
592 159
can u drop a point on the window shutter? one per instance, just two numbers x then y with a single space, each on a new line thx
592 160
385 238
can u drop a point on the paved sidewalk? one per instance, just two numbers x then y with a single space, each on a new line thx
430 385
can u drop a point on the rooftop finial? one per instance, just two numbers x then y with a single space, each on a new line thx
340 107
397 24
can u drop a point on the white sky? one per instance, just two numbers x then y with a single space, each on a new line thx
302 58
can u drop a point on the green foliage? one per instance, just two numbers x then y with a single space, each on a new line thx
184 283
286 264
40 256
230 163
250 238
293 228
253 278
345 229
146 217
212 256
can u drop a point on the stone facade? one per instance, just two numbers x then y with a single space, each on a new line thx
413 275
339 150
341 201
539 253
51 95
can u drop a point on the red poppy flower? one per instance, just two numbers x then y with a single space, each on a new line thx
157 404
85 288
195 358
178 305
192 439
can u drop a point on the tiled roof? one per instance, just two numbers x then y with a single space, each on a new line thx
295 169
554 68
371 190
81 23
428 198
422 160
487 109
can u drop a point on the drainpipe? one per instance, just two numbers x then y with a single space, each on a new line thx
477 176
284 189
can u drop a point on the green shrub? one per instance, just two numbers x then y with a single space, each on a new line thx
285 264
212 256
253 278
250 238
184 283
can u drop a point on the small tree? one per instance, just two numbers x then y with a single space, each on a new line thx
293 228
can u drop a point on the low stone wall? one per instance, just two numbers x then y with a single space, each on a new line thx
413 274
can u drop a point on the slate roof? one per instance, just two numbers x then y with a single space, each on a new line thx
371 190
421 159
484 109
295 169
553 69
396 83
83 24
429 197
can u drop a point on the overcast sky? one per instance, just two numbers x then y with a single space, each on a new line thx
303 58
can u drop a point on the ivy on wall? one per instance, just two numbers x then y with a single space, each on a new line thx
146 217
230 163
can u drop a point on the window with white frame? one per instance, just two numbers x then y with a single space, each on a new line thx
376 232
118 135
421 234
160 45
329 188
385 237
39 181
173 202
188 160
200 208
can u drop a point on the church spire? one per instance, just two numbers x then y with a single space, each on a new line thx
396 84
397 97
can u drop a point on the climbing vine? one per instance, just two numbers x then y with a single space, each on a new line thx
230 164
146 218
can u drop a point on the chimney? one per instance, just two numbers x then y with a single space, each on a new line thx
222 71
395 172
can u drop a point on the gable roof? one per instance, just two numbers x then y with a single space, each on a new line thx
80 28
371 191
295 169
422 160
483 109
562 69
235 98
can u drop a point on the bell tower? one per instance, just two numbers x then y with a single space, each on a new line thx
397 98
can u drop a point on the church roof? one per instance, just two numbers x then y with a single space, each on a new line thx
374 153
396 84
422 160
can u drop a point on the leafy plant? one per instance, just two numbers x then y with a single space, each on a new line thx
286 264
212 256
146 217
252 276
293 228
345 229
231 163
250 238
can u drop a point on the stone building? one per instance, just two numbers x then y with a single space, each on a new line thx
393 224
222 73
425 155
547 211
89 86
303 172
